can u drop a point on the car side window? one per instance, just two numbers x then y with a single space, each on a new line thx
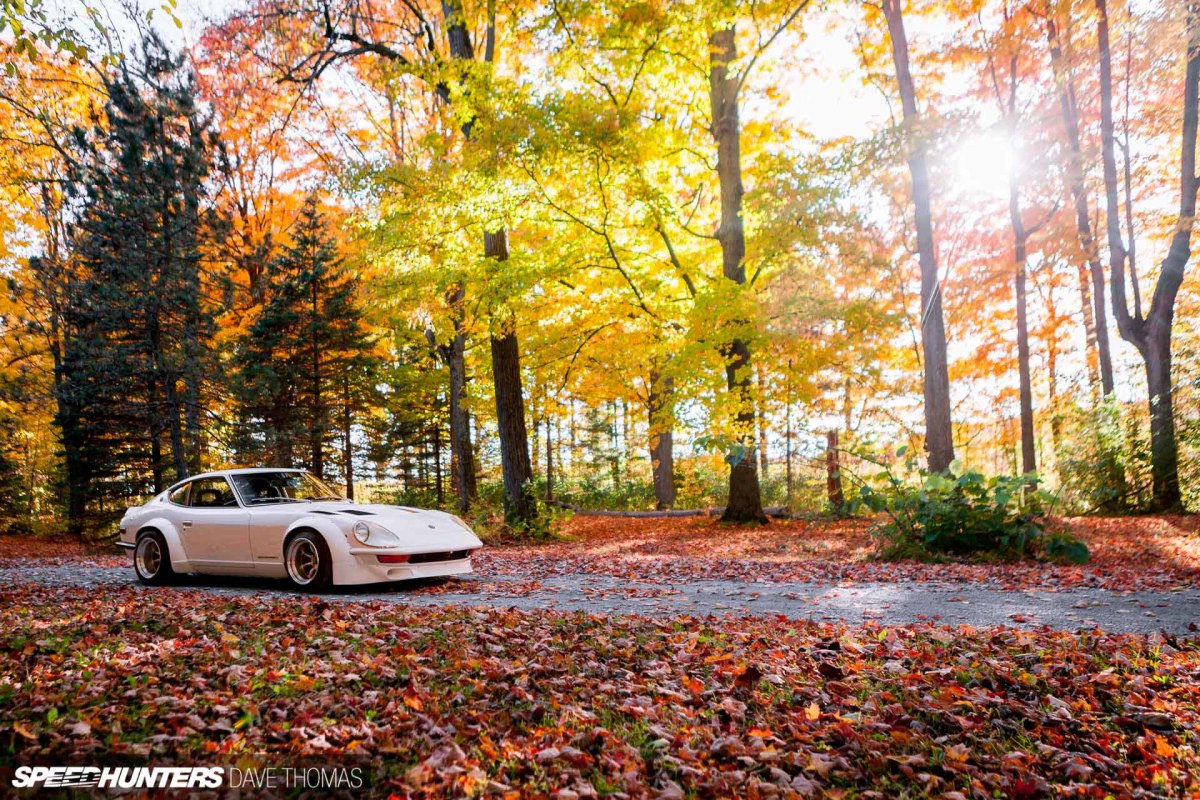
180 496
211 493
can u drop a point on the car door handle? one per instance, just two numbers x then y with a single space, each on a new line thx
187 523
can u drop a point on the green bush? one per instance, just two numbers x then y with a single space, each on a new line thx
966 513
1104 465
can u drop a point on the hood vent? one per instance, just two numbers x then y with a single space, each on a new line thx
356 512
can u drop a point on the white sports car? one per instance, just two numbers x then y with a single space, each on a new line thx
286 523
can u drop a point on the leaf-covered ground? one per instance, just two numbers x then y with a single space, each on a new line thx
450 702
1128 553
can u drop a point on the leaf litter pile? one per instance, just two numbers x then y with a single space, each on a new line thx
438 702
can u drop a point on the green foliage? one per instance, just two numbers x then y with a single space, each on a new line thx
306 366
137 355
1099 466
966 513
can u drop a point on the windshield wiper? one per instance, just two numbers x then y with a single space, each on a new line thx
275 500
327 497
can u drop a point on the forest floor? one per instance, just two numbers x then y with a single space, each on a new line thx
649 658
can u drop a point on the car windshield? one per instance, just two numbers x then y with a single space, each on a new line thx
261 488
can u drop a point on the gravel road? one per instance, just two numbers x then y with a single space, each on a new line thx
1177 612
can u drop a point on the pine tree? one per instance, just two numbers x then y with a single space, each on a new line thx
306 366
136 351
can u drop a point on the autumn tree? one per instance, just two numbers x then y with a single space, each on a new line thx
939 439
315 36
1006 70
1093 293
40 107
745 497
1149 330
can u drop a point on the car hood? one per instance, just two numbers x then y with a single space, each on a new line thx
418 528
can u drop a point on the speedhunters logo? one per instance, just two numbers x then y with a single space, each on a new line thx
119 778
124 778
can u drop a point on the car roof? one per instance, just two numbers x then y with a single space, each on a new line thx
221 473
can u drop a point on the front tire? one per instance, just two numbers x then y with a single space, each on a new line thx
152 560
309 566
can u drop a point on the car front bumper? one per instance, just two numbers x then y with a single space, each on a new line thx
362 566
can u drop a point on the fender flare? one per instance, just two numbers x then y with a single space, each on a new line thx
335 538
170 534
337 541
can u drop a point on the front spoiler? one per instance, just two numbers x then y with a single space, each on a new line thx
368 570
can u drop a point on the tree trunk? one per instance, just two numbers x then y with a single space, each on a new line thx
316 431
549 464
761 403
1151 334
519 505
662 440
1056 431
520 508
833 474
614 446
347 444
1164 452
1028 449
1020 258
165 411
175 426
156 471
1096 316
437 465
462 456
939 438
745 497
1091 356
787 436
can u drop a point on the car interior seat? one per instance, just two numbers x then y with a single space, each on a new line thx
208 498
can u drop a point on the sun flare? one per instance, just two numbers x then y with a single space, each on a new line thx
983 163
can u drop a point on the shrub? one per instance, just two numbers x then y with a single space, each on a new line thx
1104 466
966 513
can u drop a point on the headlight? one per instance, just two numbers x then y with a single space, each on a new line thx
374 535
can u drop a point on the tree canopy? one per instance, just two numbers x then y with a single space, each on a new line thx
626 255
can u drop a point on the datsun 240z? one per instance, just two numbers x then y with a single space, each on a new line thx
285 523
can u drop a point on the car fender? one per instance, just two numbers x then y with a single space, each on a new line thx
337 539
170 533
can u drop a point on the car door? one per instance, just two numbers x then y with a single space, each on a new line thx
215 528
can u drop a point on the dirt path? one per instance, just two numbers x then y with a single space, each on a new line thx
1177 612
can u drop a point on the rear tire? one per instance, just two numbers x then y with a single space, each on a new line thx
152 560
309 566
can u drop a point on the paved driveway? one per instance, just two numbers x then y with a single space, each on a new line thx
1177 612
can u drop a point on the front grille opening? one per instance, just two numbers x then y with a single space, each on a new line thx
433 558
